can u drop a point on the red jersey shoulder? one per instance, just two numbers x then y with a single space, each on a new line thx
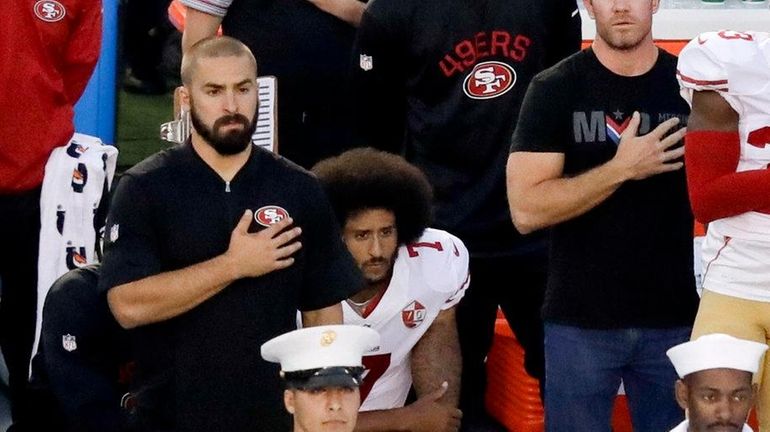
58 20
62 11
49 11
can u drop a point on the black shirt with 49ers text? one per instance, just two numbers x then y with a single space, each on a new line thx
449 76
202 370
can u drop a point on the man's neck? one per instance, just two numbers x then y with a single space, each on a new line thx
227 166
633 62
370 291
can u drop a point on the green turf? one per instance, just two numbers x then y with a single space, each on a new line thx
138 126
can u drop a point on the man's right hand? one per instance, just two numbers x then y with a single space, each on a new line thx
427 414
647 155
256 254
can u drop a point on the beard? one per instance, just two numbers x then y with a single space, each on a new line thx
726 425
373 277
228 143
622 41
377 270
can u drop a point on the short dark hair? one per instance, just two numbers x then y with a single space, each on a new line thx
213 46
365 178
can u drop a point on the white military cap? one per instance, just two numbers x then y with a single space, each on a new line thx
714 351
321 356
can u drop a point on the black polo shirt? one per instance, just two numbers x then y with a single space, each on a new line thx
202 370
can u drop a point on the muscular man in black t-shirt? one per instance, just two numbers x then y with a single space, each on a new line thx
596 157
212 248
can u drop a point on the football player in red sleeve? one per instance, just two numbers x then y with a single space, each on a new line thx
725 76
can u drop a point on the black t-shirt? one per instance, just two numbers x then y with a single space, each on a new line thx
202 370
308 50
443 81
628 262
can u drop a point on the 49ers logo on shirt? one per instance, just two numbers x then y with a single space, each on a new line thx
50 10
489 80
413 315
270 215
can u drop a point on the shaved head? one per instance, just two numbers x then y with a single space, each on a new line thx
211 47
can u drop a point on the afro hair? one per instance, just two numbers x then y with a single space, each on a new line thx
365 178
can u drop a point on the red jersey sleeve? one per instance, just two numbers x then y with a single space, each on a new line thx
716 189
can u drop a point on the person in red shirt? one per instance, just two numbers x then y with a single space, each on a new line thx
49 49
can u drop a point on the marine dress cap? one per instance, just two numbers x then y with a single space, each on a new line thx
323 356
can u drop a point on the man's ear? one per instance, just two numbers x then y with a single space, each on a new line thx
589 8
655 6
288 401
182 94
681 392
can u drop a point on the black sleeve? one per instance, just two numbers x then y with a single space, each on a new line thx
565 33
544 115
331 275
130 248
377 80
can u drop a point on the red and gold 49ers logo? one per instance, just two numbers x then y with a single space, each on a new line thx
270 215
488 80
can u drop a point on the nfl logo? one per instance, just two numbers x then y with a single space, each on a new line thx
413 315
114 232
365 62
69 343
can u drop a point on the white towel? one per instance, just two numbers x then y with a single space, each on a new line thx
75 177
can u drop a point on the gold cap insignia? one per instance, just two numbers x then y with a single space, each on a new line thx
328 337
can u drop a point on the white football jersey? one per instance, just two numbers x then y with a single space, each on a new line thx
737 66
429 275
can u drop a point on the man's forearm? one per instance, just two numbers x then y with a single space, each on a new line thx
436 358
349 11
559 199
166 295
712 154
198 25
716 189
329 315
391 420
